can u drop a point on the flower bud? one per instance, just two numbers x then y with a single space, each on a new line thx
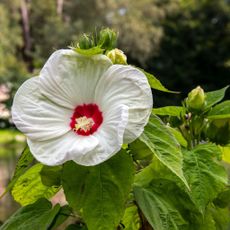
107 39
196 99
85 42
117 56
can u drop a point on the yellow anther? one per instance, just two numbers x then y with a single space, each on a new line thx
84 123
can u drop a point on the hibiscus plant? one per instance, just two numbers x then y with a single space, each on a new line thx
92 132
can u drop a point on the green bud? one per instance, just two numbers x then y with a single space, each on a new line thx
107 39
117 56
85 42
196 99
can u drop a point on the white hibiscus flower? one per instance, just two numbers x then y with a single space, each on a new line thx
81 108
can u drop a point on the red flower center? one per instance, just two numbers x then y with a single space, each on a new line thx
86 119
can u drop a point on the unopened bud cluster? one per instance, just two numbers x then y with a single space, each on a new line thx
106 40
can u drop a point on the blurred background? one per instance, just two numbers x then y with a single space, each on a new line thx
184 43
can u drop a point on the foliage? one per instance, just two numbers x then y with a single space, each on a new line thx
164 146
96 191
38 216
131 219
29 187
206 177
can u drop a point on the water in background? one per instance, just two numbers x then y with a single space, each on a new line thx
11 145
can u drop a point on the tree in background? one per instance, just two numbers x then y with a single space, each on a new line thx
11 62
45 25
195 48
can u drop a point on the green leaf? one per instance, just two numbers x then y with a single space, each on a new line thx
176 111
221 218
140 150
207 222
158 209
220 111
99 191
89 52
29 188
158 175
218 131
223 199
144 177
206 177
164 146
61 217
169 187
155 83
213 219
51 175
37 216
179 137
225 150
214 97
76 227
24 162
131 219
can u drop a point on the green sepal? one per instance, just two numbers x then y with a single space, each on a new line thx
89 52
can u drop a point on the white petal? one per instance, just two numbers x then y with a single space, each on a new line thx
69 79
128 86
85 150
70 146
109 136
36 116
